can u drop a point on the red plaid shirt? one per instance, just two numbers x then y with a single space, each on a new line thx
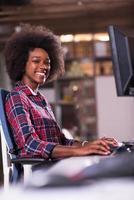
34 127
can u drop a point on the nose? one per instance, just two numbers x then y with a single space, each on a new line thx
44 66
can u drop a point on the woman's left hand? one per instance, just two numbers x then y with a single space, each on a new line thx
110 141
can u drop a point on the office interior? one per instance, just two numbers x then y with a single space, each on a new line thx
84 100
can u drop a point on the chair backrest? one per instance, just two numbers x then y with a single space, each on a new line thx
4 123
13 168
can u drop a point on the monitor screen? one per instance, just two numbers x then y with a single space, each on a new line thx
122 47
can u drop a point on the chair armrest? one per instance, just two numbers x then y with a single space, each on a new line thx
28 161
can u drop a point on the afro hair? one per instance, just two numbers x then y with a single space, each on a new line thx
20 43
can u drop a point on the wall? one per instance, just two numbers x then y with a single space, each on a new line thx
115 114
4 79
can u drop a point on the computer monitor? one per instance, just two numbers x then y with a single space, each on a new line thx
122 47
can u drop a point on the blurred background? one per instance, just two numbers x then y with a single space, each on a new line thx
84 100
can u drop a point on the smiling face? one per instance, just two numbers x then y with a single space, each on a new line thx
37 68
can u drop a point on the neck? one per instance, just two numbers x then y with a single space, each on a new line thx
34 86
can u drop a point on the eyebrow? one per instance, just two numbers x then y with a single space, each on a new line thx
36 57
40 57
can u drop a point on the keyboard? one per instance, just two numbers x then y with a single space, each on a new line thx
124 147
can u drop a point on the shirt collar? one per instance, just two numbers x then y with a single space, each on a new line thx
20 85
33 93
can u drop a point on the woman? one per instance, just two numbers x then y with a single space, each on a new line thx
33 57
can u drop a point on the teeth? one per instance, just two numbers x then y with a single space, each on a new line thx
39 73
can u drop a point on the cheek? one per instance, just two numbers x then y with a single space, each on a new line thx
29 68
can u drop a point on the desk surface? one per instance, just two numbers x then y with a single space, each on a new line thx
106 189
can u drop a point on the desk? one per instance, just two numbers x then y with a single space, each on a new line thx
110 189
120 188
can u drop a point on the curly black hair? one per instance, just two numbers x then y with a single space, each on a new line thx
20 43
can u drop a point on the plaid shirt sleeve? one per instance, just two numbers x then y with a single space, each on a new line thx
17 110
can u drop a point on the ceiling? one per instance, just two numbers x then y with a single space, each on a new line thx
66 16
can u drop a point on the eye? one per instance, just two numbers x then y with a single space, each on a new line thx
36 61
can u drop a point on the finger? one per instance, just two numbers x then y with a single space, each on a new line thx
110 139
98 152
102 148
101 143
104 143
99 147
114 143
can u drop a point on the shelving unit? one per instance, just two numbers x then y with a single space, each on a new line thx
75 95
103 66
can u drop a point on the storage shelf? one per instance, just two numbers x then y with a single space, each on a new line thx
77 78
102 58
75 96
63 102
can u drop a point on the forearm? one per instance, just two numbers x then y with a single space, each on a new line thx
60 151
77 144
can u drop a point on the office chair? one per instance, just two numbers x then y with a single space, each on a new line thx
13 167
